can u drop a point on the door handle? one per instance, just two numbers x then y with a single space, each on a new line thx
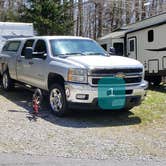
31 63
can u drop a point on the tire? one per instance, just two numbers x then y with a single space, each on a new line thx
7 82
57 100
157 81
154 80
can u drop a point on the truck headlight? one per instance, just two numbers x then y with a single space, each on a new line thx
77 75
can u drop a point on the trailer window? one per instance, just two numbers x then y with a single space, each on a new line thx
118 48
12 46
131 45
150 36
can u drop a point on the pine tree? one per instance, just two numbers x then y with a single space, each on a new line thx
50 17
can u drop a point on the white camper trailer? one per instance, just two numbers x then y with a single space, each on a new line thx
144 41
11 30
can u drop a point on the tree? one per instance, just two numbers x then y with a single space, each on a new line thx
9 10
80 17
50 17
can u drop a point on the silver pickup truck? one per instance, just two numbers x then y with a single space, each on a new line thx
69 70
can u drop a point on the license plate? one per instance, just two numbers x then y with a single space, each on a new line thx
117 102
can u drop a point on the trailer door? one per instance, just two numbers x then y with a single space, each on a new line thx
132 47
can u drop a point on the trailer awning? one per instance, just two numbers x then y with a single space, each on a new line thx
117 34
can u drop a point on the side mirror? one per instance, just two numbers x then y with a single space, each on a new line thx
112 51
28 52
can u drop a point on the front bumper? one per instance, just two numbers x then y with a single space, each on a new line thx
72 90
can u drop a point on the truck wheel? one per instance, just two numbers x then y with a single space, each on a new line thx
57 100
7 82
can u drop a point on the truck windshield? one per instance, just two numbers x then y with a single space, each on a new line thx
70 47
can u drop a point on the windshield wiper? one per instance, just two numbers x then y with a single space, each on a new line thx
69 54
97 53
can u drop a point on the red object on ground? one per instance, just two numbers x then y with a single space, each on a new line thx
37 100
36 105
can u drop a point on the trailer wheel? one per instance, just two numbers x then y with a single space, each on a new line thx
7 82
57 100
156 81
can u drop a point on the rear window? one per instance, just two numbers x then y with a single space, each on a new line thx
12 46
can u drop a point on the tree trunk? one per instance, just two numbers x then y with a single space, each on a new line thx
80 12
100 18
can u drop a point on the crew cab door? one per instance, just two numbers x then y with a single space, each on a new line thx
132 47
37 75
23 66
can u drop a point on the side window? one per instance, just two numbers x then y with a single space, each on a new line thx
28 43
5 46
104 46
131 45
40 49
12 46
150 36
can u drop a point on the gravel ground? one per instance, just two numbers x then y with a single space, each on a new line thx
35 160
84 134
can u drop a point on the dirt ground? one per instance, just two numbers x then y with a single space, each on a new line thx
83 134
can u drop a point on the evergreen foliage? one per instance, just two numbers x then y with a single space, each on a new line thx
50 17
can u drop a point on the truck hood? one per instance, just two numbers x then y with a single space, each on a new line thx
105 62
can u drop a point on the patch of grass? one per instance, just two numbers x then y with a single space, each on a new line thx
154 105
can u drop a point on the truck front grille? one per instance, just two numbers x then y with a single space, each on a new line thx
132 76
126 80
114 71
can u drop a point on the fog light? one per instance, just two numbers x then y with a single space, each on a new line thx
67 92
82 96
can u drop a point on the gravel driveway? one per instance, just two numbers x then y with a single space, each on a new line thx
84 134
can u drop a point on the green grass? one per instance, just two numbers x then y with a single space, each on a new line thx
154 105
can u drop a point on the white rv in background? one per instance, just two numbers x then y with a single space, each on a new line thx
12 30
144 41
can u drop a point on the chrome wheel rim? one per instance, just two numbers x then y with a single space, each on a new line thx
5 81
56 101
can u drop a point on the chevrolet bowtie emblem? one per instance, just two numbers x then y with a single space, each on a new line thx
120 75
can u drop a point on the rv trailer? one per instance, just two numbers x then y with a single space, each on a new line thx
144 41
10 30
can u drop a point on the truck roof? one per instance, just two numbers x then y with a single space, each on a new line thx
59 37
20 38
51 37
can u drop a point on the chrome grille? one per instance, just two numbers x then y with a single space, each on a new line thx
132 76
126 80
114 71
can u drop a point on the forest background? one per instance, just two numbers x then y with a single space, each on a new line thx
88 18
